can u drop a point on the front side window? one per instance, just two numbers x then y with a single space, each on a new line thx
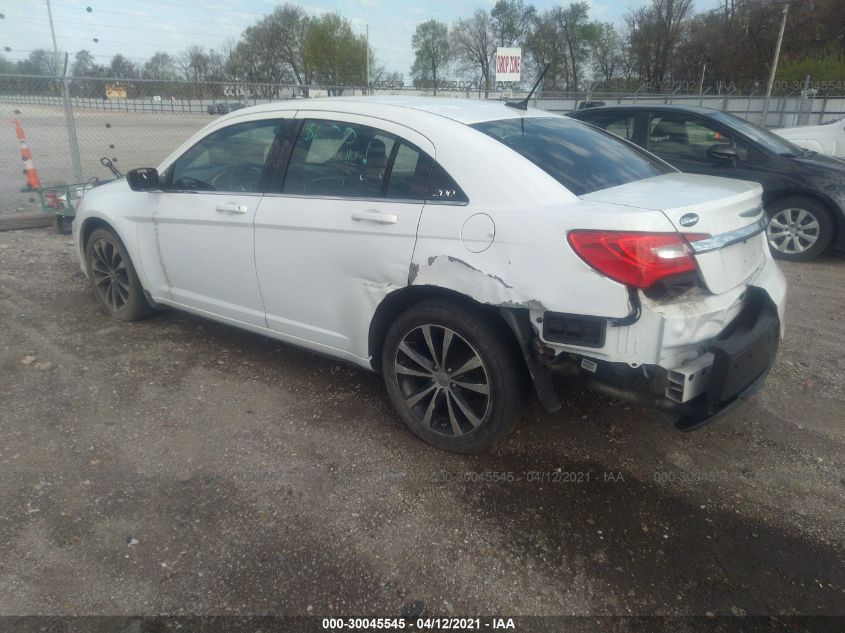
231 159
767 139
679 136
333 158
581 158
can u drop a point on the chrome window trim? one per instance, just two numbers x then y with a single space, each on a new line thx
373 199
731 237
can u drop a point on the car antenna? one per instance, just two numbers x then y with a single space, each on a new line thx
523 104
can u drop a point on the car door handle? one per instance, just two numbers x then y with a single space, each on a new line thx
232 208
371 215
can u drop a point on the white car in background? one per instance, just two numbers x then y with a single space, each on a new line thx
827 138
459 247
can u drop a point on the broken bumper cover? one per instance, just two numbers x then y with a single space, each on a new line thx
742 356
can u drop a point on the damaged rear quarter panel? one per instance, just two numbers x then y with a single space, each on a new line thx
530 263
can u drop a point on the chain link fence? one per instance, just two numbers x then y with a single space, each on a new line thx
137 123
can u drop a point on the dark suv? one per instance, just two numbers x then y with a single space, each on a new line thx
803 191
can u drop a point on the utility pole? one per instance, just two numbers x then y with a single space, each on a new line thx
73 143
367 82
53 33
774 66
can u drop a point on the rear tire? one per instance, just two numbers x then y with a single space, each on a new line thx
462 400
799 229
113 278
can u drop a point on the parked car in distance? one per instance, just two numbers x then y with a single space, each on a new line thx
461 248
827 138
224 108
803 191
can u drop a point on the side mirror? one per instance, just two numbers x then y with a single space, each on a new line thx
722 151
143 179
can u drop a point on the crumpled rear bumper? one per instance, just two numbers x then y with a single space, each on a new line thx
742 354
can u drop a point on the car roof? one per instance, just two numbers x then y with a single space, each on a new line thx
648 106
399 108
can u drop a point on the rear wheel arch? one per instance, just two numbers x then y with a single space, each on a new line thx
833 210
400 300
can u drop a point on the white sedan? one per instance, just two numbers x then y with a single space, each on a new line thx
827 138
464 249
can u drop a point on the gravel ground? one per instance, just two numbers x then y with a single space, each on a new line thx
180 466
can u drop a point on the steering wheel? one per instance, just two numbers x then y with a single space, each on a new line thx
237 178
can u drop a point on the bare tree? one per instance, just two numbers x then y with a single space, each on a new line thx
606 48
656 30
474 46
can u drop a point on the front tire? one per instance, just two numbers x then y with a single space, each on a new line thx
799 229
113 278
453 375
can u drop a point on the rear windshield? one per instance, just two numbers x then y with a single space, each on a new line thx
581 158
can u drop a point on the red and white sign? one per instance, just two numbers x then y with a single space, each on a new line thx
508 64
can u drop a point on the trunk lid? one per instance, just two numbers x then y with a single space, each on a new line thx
729 211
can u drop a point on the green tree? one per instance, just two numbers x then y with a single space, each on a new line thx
511 21
272 50
432 52
39 62
160 66
607 51
544 47
575 31
122 68
84 64
335 55
6 67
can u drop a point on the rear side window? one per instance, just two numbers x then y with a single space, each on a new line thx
622 125
333 158
416 176
581 158
410 174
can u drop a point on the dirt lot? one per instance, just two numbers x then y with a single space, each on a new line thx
179 466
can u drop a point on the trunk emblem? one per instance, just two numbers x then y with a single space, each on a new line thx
688 219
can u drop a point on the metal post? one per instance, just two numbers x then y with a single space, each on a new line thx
73 143
774 65
367 82
701 85
71 126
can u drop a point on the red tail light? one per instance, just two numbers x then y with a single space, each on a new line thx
633 258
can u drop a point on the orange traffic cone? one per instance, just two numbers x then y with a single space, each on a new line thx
32 180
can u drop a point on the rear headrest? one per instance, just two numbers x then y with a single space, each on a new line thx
673 129
376 154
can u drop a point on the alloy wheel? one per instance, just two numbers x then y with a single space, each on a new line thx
443 380
111 277
793 231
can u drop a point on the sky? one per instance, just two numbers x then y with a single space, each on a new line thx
139 28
